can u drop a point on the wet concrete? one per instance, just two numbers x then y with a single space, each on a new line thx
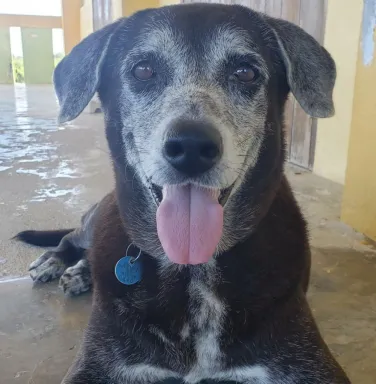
39 332
49 176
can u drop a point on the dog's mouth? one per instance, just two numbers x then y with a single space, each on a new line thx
224 194
190 221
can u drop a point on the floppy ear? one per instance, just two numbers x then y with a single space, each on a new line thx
76 78
311 71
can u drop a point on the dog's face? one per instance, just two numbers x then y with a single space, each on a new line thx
194 103
194 93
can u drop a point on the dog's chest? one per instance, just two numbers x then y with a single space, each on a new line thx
194 354
206 317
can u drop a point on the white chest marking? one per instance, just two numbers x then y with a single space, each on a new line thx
143 373
208 317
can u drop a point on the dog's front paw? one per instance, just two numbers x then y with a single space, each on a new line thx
76 279
46 268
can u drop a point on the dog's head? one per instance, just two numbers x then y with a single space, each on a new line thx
193 98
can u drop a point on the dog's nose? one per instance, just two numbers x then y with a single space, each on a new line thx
193 147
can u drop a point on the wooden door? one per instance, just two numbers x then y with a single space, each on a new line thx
311 16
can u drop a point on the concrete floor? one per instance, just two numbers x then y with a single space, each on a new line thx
50 175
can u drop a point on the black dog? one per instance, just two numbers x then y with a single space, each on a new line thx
200 258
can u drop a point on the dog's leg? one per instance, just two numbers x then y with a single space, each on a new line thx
52 264
76 279
46 268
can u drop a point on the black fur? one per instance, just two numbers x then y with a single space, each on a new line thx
243 318
50 238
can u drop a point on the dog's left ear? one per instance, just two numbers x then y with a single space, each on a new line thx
311 71
77 77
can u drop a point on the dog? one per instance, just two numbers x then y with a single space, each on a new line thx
200 257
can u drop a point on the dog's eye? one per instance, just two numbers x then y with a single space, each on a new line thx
245 73
143 71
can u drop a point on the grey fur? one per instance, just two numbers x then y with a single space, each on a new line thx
47 268
75 94
76 279
311 71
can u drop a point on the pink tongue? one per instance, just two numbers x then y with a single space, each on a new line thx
189 223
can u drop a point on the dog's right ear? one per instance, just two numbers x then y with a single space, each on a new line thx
76 78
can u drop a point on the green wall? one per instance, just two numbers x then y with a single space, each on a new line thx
37 55
6 75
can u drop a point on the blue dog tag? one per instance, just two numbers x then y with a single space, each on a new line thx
128 270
